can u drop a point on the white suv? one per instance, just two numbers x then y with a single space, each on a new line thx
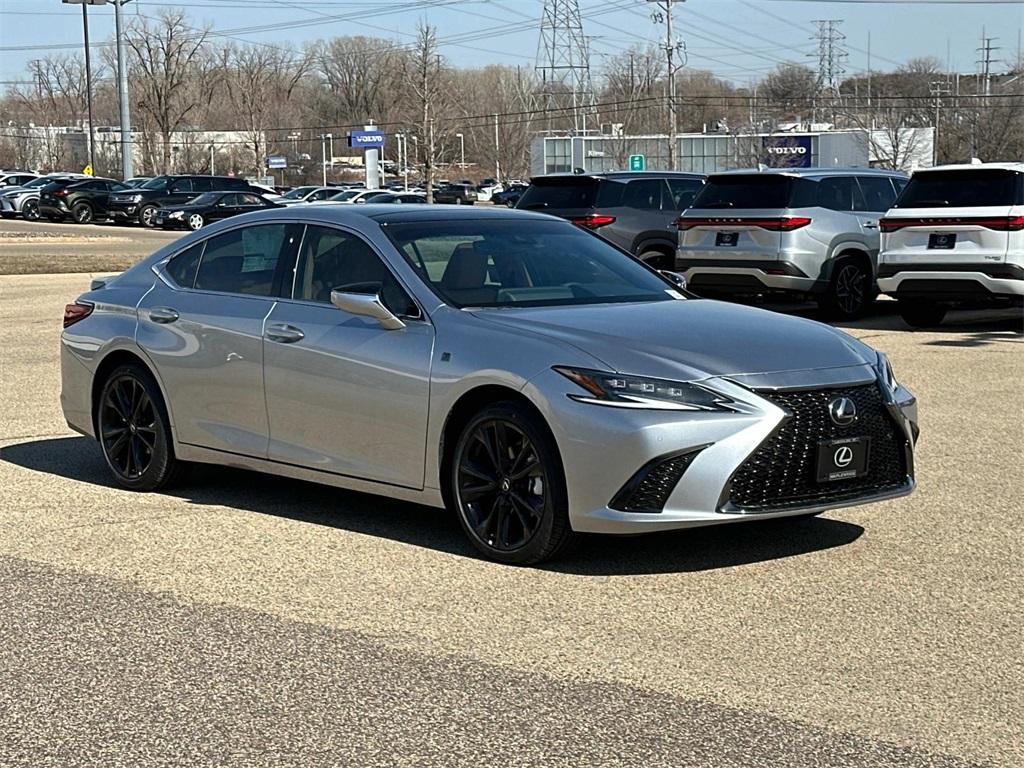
955 236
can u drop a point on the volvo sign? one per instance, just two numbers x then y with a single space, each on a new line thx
366 139
786 151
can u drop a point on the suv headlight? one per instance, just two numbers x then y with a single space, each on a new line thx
135 198
624 391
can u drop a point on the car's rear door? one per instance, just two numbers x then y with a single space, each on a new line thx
202 326
343 394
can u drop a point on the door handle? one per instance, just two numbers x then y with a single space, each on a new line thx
870 224
284 333
163 315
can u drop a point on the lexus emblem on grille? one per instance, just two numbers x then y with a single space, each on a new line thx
843 456
843 411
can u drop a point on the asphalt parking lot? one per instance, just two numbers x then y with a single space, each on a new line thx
247 620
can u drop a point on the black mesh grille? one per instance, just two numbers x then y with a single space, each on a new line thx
649 489
781 472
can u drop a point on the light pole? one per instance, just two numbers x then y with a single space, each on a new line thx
462 150
497 152
403 158
212 172
323 154
88 72
127 150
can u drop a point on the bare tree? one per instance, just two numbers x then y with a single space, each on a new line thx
790 90
424 72
172 76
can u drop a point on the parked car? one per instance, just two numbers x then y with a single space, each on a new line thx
136 181
309 194
955 236
24 200
486 189
354 195
456 194
81 201
803 231
141 203
408 198
210 207
270 193
11 179
509 197
635 211
483 360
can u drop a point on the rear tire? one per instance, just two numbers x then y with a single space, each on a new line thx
195 221
82 213
850 291
920 313
508 486
134 430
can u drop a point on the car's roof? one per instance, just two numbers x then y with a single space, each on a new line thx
395 213
1018 167
620 175
831 171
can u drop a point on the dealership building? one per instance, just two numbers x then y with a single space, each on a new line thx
710 152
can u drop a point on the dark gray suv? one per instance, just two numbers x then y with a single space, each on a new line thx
635 211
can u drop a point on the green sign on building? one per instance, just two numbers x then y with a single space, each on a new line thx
637 163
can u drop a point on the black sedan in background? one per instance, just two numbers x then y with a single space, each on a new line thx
210 206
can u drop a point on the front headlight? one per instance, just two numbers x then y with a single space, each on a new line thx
175 214
135 198
623 391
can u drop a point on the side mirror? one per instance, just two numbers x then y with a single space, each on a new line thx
674 277
366 305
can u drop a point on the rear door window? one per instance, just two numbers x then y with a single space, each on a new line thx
962 189
202 184
682 193
181 185
878 193
840 193
249 260
644 194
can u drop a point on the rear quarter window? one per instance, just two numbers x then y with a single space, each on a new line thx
962 189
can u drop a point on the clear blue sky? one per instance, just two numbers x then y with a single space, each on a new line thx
736 39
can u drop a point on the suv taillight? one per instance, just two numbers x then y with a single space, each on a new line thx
997 223
60 192
771 223
592 220
75 312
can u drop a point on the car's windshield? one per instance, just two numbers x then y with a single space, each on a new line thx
298 192
159 182
517 262
962 189
42 181
342 196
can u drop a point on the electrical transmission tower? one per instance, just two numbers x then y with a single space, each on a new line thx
985 62
831 54
563 63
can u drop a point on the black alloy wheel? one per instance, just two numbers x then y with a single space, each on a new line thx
134 430
850 291
30 210
82 213
509 488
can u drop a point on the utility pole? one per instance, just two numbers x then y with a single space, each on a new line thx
497 151
671 47
323 154
127 152
462 150
88 72
938 89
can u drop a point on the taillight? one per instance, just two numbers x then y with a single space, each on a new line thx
592 220
997 223
771 223
75 312
60 193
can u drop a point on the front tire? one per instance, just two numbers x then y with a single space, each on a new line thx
134 430
30 210
921 314
508 486
850 291
146 216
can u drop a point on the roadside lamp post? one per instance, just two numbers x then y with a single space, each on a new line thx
462 150
323 154
88 72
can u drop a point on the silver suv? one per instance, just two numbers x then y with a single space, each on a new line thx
811 231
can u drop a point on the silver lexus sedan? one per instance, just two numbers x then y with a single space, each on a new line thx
508 365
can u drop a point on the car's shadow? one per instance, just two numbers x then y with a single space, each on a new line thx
78 458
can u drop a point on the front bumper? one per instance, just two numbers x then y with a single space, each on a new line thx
603 447
952 283
123 211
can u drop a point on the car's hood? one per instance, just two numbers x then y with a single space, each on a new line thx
690 340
